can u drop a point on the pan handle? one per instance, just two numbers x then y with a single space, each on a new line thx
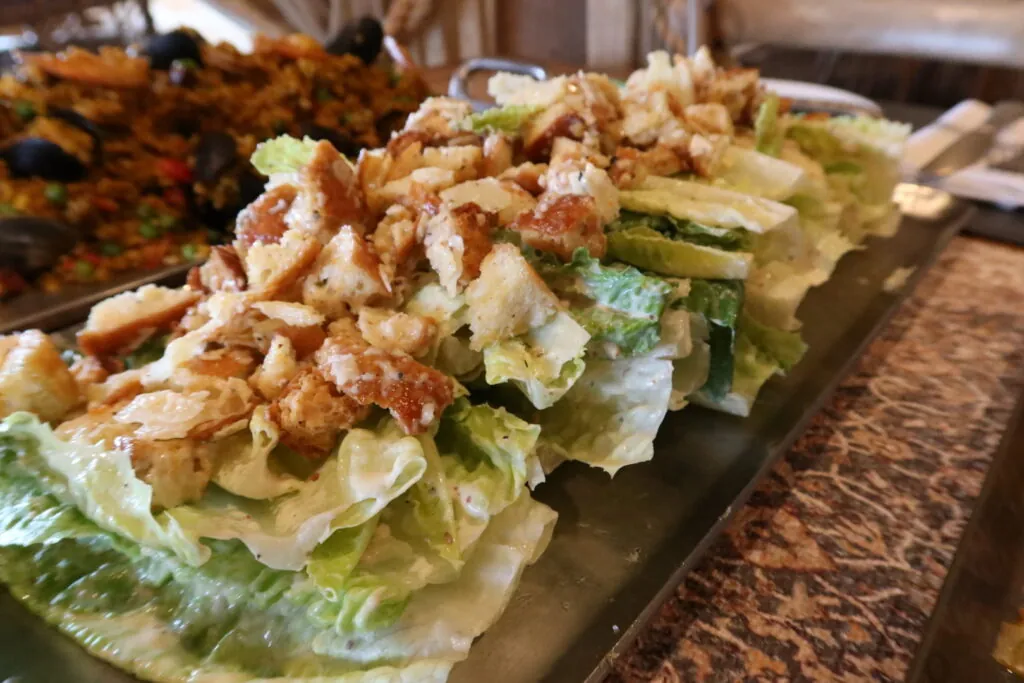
458 84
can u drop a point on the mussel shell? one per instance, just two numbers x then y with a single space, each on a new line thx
30 245
215 152
163 48
80 122
41 158
339 138
362 39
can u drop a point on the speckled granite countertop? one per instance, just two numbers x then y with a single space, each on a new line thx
832 569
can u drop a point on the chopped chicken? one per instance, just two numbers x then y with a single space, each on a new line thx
329 196
397 241
123 321
578 177
205 409
311 413
179 470
416 395
34 378
347 273
393 331
503 198
457 240
278 367
498 155
737 89
274 269
561 224
222 272
507 299
224 363
89 371
654 116
262 222
677 153
526 176
439 116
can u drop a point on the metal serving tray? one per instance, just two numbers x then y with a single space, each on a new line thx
622 546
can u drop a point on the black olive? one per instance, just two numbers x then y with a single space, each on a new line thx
163 48
362 39
339 138
31 245
38 157
215 153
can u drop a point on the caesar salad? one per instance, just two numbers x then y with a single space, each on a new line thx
314 462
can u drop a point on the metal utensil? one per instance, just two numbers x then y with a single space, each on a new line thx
974 145
458 86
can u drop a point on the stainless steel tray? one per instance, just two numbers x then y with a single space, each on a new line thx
48 312
622 546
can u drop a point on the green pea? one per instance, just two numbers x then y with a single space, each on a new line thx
84 269
189 252
56 193
150 230
145 211
25 110
111 249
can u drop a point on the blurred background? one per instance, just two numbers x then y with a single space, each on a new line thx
935 52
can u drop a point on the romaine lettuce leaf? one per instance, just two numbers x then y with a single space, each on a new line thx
622 289
610 417
507 119
784 347
543 364
283 154
719 303
752 368
768 133
650 250
684 230
244 464
751 172
631 336
100 483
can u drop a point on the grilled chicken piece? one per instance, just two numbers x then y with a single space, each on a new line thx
394 331
563 223
311 413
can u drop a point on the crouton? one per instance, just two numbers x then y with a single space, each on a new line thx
563 223
439 116
707 153
115 389
526 176
507 299
278 367
573 176
123 321
88 371
222 272
736 89
393 331
504 198
347 273
557 121
34 378
709 119
329 196
497 155
416 395
457 240
223 363
311 413
397 241
274 269
464 161
427 179
262 222
372 169
179 470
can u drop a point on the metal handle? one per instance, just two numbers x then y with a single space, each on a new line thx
458 84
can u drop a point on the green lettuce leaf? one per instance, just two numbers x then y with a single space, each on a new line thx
610 417
768 133
543 364
100 483
650 250
719 304
622 289
631 336
245 467
684 230
283 154
784 347
508 119
751 172
369 470
752 368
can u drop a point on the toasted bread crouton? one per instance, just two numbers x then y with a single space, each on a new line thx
457 240
736 89
507 299
277 369
416 395
504 198
394 331
649 116
563 223
262 222
179 470
311 413
707 153
122 321
274 269
578 177
439 116
347 273
88 371
498 153
464 161
223 363
397 241
526 176
558 121
329 196
199 411
222 272
709 119
115 389
34 378
426 180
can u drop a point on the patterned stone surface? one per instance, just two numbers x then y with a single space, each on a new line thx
832 569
